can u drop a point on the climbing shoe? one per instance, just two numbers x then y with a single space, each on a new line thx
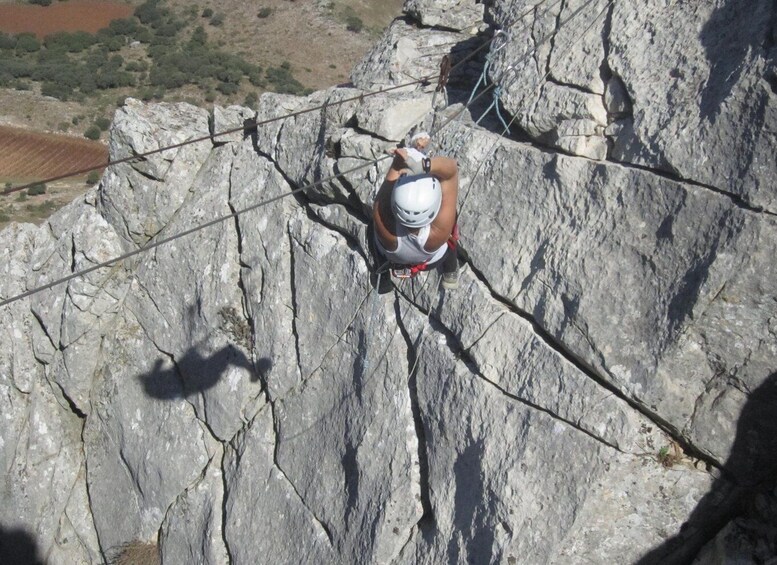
450 281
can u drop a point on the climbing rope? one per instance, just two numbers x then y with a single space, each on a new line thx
537 89
492 149
155 244
246 128
494 85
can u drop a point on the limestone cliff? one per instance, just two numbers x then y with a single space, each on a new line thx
601 388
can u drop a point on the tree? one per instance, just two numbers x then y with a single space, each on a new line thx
71 42
7 41
199 37
114 43
125 27
227 88
149 12
92 132
27 42
354 23
284 81
36 189
93 178
103 123
55 90
250 100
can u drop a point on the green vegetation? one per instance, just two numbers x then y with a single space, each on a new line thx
264 13
42 210
353 22
36 189
93 178
103 123
27 43
167 53
284 81
92 132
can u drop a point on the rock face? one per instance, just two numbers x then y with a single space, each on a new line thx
683 89
604 374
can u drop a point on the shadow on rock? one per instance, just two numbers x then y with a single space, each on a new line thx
194 373
750 470
471 509
17 547
728 38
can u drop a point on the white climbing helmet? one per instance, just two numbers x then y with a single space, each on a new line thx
416 200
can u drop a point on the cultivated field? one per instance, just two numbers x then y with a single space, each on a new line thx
74 15
27 155
315 39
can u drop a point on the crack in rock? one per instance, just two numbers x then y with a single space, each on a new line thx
460 353
591 373
277 466
427 520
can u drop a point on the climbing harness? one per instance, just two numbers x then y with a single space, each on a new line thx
410 271
361 96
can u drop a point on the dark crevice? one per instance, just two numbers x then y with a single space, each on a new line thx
427 521
553 36
606 31
409 20
145 174
735 199
771 79
294 308
589 372
241 282
45 332
277 464
73 262
235 216
569 85
224 513
71 403
463 356
354 204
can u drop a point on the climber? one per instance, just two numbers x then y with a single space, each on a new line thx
414 216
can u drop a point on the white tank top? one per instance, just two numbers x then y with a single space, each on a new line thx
410 247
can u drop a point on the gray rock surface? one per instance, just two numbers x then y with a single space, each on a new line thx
695 86
239 394
452 14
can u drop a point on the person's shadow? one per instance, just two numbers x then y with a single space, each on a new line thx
194 373
731 34
17 547
750 470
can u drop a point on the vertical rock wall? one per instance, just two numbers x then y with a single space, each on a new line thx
600 377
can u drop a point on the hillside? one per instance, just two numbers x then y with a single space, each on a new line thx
271 35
